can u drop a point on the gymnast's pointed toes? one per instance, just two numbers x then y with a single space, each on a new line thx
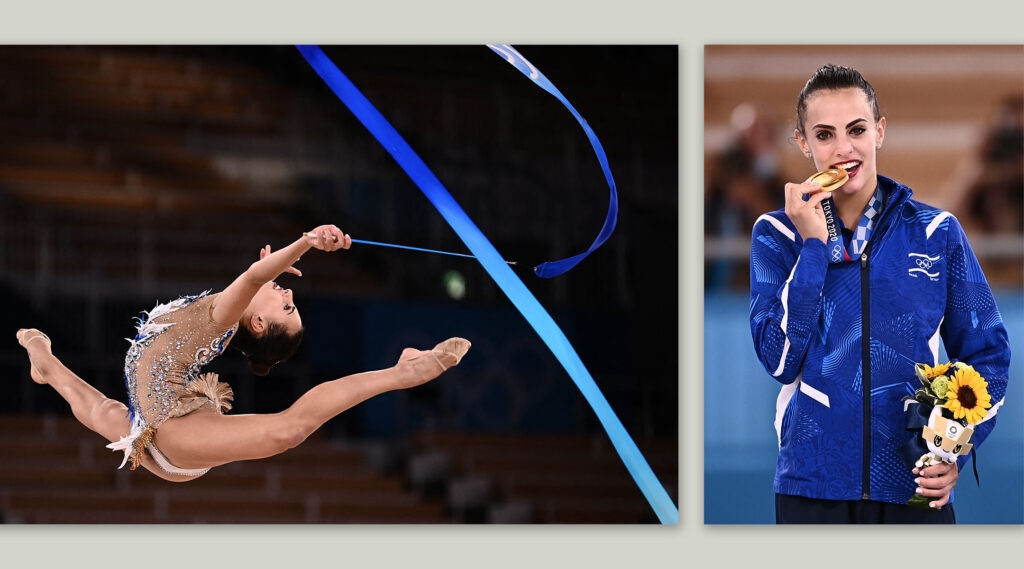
26 335
451 351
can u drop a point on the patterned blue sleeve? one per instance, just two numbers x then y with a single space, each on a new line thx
786 280
972 329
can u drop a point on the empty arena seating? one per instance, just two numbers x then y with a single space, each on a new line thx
58 472
562 479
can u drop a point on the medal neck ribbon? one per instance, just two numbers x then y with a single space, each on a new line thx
837 251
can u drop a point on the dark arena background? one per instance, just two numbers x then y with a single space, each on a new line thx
135 174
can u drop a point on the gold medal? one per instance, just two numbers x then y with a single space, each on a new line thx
829 180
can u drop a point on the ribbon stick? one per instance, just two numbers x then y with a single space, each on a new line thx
406 247
555 268
503 276
411 248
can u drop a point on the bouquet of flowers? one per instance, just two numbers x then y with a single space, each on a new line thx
952 399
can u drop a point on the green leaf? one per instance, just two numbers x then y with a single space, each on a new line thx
921 501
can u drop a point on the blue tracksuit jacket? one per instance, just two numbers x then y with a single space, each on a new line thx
843 340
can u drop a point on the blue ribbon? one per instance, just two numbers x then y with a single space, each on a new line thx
503 276
555 268
917 416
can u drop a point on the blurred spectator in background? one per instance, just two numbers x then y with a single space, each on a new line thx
993 189
995 200
742 182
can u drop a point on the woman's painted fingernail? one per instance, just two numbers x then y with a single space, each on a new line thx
919 490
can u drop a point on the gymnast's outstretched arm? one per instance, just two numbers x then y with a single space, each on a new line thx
232 302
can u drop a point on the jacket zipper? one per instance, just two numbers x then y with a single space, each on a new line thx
865 347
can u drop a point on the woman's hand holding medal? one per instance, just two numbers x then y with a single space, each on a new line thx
803 202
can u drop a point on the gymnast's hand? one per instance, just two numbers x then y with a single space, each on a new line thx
328 238
266 251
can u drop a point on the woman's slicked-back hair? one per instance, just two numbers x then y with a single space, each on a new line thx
832 77
265 351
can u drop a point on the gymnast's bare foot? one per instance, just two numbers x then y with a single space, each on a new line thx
27 337
420 366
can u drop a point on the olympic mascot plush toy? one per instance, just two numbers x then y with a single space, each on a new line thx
945 437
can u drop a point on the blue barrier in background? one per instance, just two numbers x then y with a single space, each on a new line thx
740 445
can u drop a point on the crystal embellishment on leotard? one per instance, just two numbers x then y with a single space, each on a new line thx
162 363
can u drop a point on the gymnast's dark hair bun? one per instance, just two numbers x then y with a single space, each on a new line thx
267 350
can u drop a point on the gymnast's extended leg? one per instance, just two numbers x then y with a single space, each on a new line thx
97 412
92 408
207 439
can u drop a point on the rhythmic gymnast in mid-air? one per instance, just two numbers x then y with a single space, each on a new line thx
174 424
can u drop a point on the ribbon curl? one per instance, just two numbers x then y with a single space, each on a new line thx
555 268
503 276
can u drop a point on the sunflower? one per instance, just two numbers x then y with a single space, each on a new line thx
928 373
968 396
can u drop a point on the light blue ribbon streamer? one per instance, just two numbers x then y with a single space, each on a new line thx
555 268
503 276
